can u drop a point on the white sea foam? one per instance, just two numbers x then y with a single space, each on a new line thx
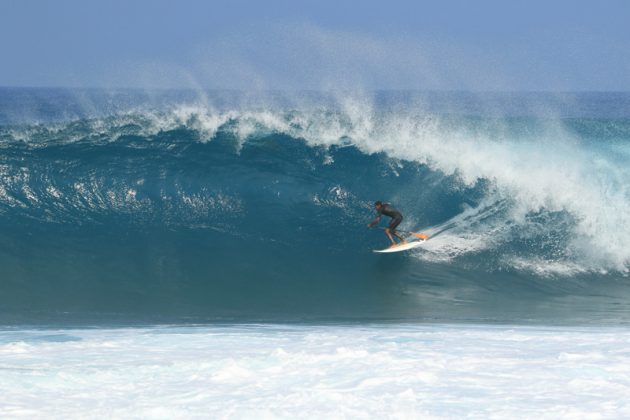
546 267
255 371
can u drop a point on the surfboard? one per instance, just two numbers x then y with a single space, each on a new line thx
398 248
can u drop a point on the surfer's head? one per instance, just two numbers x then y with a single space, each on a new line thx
378 204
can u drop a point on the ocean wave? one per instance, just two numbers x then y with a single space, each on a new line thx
156 192
538 168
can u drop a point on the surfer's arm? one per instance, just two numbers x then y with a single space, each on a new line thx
375 221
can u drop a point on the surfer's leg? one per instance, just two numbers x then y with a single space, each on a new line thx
392 229
402 240
389 235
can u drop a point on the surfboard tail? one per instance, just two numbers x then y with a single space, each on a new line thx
420 235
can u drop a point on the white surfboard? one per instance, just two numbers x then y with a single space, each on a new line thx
403 247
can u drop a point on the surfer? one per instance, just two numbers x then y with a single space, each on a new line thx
390 231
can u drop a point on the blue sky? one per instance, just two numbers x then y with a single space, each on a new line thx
450 44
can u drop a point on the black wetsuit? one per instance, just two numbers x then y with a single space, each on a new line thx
388 210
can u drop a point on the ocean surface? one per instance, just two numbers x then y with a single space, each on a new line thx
166 252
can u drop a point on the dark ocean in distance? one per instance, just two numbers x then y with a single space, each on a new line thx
130 206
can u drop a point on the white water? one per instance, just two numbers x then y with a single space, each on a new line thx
255 371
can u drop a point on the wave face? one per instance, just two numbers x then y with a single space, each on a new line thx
175 206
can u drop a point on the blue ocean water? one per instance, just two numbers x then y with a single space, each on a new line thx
129 206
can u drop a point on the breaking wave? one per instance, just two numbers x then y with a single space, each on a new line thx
244 209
